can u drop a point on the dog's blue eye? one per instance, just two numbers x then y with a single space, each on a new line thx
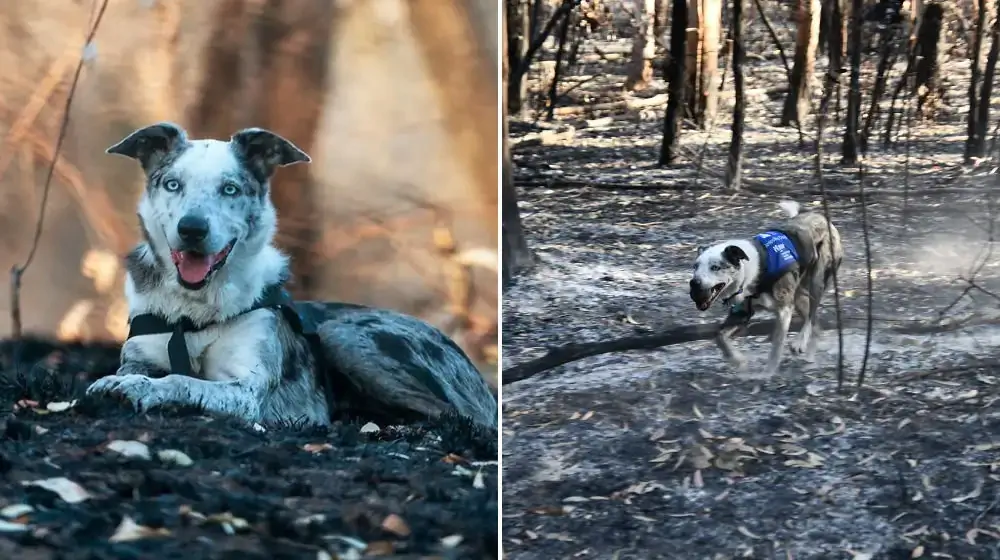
230 190
715 268
172 185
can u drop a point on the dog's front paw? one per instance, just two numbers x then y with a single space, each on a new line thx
141 391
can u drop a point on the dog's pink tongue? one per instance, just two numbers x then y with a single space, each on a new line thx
193 267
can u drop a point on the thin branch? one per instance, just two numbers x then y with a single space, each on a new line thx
18 271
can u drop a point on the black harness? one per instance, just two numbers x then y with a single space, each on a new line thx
274 297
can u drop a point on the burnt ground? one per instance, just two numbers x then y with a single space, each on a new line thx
96 480
670 454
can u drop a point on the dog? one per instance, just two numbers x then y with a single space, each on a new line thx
784 269
211 326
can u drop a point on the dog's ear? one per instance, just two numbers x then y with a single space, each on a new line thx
701 249
263 151
734 255
148 145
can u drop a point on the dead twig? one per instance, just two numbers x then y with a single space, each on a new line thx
562 355
18 271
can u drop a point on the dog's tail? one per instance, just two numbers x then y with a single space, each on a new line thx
790 207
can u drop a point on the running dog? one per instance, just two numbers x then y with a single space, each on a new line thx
784 269
211 325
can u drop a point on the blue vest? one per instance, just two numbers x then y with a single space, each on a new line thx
780 252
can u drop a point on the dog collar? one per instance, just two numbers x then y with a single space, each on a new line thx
274 297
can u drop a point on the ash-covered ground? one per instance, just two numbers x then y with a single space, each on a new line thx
87 478
670 454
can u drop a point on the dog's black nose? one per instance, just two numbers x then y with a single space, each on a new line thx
695 286
192 229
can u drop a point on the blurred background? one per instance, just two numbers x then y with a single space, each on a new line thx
395 100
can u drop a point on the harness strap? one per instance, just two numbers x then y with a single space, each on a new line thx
274 297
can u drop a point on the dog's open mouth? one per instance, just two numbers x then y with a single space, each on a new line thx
194 268
712 294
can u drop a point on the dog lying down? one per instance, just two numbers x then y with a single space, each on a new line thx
210 322
783 269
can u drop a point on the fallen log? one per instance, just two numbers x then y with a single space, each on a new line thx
572 352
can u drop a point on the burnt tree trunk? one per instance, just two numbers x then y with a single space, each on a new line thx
518 14
986 91
928 50
920 77
515 255
734 171
796 109
971 141
702 67
849 149
887 58
559 66
661 18
640 70
676 63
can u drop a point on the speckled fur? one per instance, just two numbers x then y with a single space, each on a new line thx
252 365
738 265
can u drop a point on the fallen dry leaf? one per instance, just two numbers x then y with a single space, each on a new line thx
451 541
380 548
746 532
60 406
69 491
316 447
129 530
974 494
174 456
9 527
395 525
478 482
129 448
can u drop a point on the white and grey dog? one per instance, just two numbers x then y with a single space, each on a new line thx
785 269
212 327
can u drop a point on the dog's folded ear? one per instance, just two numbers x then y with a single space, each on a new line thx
263 151
148 145
734 255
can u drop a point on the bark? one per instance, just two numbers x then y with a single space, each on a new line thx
796 109
640 70
734 171
983 117
971 141
515 255
886 59
557 71
849 151
661 18
675 74
928 49
705 38
519 16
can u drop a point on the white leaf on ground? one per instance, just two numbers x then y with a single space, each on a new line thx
9 527
60 406
68 490
129 530
451 541
16 510
174 456
130 448
478 482
370 428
